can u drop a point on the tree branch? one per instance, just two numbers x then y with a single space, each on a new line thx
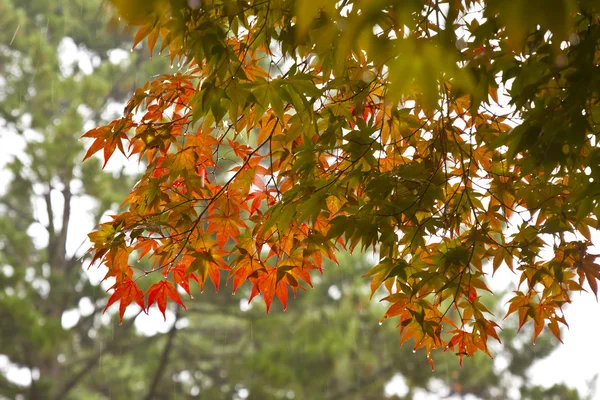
61 242
48 199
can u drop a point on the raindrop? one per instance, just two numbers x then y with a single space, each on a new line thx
414 351
574 39
380 322
100 358
14 35
561 61
194 4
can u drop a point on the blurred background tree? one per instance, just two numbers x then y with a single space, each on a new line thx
62 67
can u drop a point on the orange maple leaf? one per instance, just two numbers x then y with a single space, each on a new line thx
242 270
206 264
226 226
271 282
108 138
159 292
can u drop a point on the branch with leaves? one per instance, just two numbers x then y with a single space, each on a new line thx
300 129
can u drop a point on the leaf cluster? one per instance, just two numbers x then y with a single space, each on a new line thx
452 138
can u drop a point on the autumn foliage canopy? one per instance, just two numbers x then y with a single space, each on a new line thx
452 138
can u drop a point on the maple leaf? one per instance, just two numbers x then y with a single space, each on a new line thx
225 226
145 246
589 270
159 292
126 291
206 264
270 282
464 342
108 138
184 160
385 270
243 268
182 276
472 294
240 150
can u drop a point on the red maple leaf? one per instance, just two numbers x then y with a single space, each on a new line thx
159 292
182 277
126 291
